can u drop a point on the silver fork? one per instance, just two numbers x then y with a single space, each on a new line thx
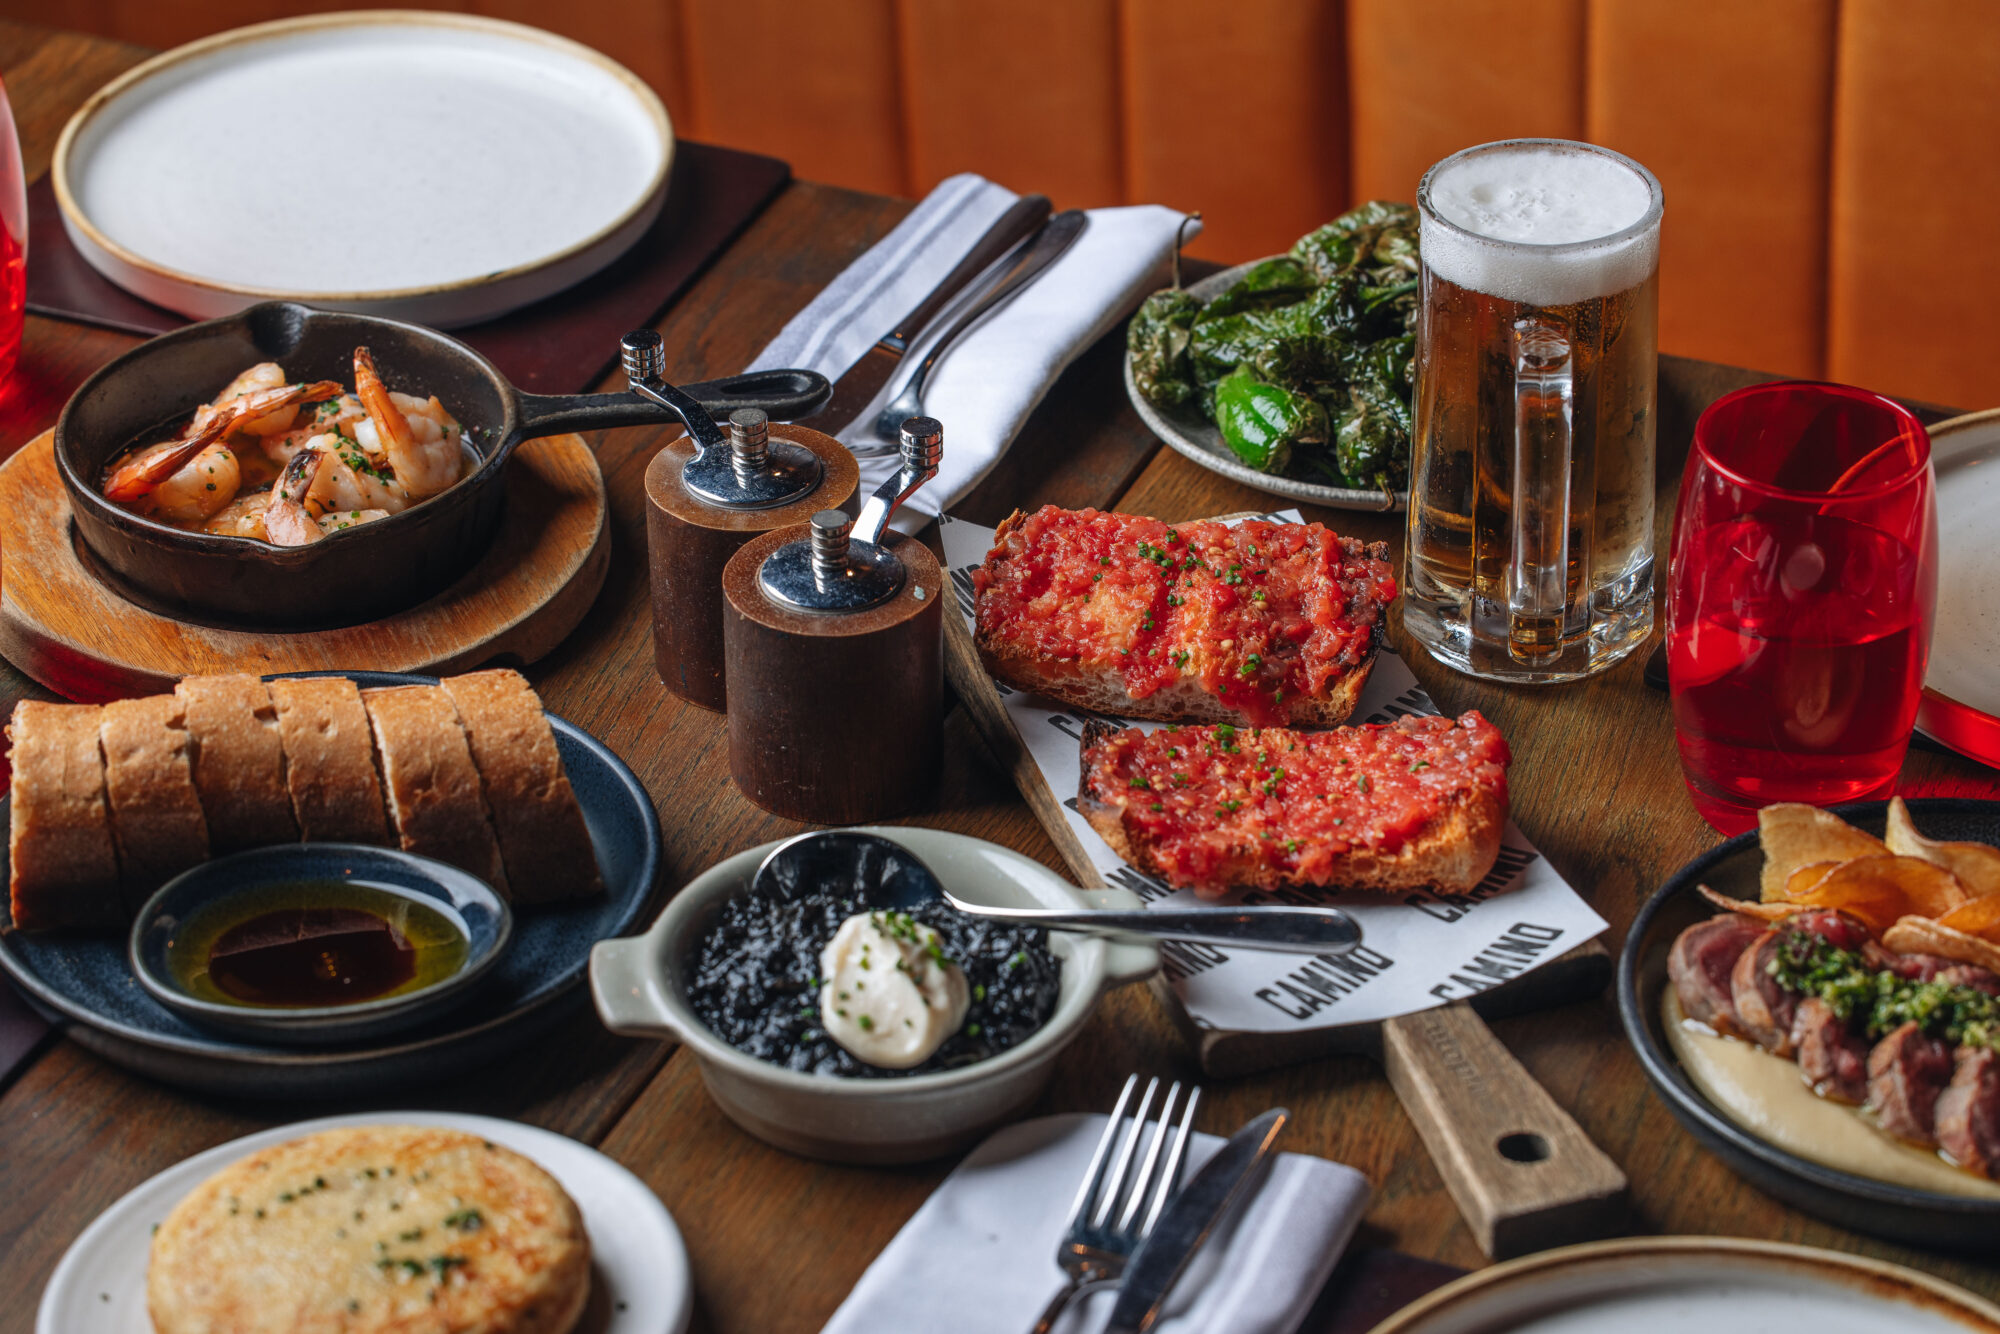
1117 1205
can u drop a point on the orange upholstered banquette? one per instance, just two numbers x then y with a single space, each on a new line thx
1829 164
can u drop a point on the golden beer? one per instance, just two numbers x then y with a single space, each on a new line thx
1531 469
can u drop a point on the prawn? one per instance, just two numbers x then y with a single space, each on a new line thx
287 521
264 375
421 444
143 472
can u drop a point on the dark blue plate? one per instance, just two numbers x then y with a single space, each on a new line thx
1920 1217
88 981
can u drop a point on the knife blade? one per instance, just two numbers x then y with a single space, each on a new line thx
857 387
1202 1203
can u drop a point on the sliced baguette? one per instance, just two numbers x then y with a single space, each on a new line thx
430 781
239 761
156 815
330 776
543 840
63 868
1452 851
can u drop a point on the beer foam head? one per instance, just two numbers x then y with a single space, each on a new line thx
1539 222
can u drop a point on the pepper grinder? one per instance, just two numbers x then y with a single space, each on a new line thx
706 495
834 638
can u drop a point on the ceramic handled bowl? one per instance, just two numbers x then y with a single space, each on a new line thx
638 985
371 569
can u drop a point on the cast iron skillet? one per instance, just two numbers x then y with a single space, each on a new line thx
359 573
1920 1217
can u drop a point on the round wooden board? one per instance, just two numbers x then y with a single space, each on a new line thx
68 630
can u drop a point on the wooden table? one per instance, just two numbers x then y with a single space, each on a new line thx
778 1241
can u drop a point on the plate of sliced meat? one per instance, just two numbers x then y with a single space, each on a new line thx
1818 1002
107 802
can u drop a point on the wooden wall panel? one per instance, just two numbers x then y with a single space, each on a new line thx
1431 78
1025 93
816 84
1913 281
1729 105
1237 109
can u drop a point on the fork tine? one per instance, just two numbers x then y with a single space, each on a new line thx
1114 1187
1093 1176
1142 1184
1170 1177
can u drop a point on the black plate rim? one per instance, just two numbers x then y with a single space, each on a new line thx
1673 1086
334 1059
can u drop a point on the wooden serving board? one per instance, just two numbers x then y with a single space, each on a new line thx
1522 1172
79 637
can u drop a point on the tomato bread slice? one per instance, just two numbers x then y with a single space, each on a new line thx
1417 803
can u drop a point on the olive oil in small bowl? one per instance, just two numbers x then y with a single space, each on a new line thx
318 942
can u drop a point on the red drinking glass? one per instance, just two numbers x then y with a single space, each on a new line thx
1800 595
13 242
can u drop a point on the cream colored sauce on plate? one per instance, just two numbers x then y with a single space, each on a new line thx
1767 1096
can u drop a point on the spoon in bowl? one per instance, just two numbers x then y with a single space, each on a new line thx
889 876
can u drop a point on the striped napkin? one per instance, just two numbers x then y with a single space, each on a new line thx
980 1256
992 378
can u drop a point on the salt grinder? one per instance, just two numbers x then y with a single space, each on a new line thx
834 637
706 496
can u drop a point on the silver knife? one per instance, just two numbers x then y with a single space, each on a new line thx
857 388
1202 1203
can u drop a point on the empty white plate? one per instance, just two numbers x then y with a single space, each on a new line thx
431 167
1961 704
640 1282
1695 1285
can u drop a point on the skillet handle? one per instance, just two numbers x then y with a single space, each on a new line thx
783 395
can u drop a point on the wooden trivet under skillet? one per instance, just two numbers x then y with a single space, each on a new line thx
1523 1174
63 625
560 345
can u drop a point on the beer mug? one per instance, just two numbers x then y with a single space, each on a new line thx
1531 459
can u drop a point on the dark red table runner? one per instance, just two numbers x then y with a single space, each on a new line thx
559 345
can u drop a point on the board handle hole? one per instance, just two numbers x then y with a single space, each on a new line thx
1522 1147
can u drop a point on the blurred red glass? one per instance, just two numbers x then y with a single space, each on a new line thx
1800 596
13 241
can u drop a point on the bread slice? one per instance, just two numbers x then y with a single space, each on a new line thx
239 761
156 815
1195 623
543 840
63 864
1261 816
431 782
330 775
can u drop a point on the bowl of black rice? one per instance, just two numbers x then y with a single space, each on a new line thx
733 977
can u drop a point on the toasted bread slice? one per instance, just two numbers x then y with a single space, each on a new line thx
63 864
330 774
1420 803
431 782
1266 623
149 777
239 761
543 840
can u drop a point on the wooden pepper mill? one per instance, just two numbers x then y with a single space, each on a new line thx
834 637
706 496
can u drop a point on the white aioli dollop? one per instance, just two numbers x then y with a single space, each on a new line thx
888 997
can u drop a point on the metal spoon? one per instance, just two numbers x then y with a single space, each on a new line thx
885 874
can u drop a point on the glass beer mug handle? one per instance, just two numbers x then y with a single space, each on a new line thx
1538 571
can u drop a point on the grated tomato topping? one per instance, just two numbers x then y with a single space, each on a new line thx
1207 797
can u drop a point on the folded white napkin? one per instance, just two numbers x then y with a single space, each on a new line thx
979 1256
992 378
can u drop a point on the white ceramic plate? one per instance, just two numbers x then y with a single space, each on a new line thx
1961 704
1695 1285
431 167
1196 437
639 1267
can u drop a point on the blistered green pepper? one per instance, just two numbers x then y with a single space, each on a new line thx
1262 422
1371 440
1273 282
1158 340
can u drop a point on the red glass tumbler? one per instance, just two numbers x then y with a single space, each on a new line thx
13 242
1800 594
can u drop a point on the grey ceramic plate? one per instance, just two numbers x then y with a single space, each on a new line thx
1920 1217
1195 436
87 981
